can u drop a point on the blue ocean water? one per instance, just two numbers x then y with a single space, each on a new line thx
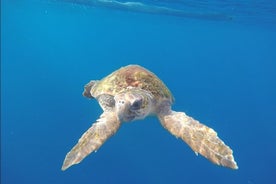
221 71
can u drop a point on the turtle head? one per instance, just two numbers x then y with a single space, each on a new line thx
133 104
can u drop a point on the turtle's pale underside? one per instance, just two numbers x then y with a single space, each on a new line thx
132 93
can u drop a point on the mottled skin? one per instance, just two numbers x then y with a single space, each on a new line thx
132 93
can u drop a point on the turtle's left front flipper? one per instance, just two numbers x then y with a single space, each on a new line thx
200 138
92 139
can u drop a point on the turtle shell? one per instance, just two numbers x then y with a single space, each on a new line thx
132 76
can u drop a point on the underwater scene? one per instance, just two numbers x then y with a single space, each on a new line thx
138 91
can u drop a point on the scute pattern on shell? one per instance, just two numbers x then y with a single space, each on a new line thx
132 76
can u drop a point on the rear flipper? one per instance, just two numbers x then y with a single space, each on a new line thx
200 138
88 87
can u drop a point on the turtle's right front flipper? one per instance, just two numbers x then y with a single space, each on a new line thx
200 138
92 139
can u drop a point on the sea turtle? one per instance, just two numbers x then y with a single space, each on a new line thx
132 93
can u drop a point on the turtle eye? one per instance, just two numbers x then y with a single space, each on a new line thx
136 104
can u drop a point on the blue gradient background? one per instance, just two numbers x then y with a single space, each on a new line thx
220 72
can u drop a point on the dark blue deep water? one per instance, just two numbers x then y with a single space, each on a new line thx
217 57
